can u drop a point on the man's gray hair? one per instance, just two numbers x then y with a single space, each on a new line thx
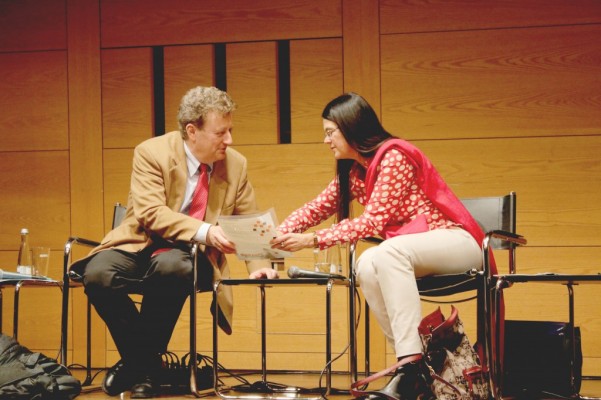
198 102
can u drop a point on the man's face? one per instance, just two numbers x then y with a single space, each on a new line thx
209 143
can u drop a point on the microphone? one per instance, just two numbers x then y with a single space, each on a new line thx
296 272
15 276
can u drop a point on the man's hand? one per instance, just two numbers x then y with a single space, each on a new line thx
216 238
264 273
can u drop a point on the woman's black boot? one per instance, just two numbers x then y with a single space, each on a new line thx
411 381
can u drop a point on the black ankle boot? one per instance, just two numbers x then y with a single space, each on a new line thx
411 381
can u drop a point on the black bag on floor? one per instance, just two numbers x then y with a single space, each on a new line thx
537 360
33 376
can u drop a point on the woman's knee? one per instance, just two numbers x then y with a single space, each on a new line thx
365 270
386 255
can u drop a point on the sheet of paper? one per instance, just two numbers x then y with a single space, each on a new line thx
251 233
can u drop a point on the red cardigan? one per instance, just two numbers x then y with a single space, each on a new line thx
435 188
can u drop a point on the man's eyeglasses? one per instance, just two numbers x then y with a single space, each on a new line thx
329 132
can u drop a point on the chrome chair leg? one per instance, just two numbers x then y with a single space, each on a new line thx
16 311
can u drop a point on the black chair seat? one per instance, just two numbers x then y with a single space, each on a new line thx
444 285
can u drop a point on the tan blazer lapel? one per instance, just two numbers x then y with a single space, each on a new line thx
217 191
178 172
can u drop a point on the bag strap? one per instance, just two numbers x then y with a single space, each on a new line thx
355 385
448 323
440 379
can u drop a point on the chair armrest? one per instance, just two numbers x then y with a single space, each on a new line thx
67 253
82 241
373 240
508 236
503 235
513 238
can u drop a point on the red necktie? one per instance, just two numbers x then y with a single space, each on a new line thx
198 205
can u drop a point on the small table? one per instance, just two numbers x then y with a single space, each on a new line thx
506 281
285 393
18 283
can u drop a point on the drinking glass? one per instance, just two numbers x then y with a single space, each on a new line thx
40 259
328 260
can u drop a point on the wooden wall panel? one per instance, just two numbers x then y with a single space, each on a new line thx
294 315
35 189
556 180
127 97
155 22
251 81
540 81
287 176
117 177
33 101
361 44
29 25
185 67
85 159
33 321
8 260
39 307
315 79
435 16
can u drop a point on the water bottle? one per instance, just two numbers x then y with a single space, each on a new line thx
24 262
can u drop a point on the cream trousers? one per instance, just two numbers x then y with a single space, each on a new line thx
386 274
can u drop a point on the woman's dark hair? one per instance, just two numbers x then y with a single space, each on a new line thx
361 128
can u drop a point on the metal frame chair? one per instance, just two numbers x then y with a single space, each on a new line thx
72 279
497 217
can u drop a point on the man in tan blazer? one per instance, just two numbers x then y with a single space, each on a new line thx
149 252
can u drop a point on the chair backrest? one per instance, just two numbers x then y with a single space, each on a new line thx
118 214
494 213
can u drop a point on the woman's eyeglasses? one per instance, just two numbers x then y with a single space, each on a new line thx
329 132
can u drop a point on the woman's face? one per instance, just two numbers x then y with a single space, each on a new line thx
338 144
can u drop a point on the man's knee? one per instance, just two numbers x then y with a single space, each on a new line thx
96 275
103 269
173 265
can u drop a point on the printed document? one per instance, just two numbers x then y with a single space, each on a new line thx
251 233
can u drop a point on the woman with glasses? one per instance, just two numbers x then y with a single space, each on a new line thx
426 228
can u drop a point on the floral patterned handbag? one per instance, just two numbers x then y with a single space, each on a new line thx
454 364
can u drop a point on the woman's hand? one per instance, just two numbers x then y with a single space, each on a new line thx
292 241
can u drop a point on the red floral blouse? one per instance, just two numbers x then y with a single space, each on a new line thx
396 198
